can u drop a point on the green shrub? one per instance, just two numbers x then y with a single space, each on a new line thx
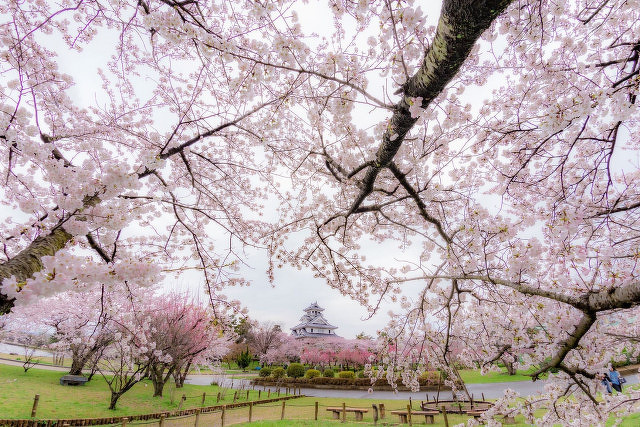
360 382
312 373
244 359
295 370
264 372
329 373
278 372
360 374
346 374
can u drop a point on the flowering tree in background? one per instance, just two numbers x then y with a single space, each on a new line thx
77 321
488 150
354 353
289 350
263 337
123 365
181 332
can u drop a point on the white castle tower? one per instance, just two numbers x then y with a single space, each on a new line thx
313 324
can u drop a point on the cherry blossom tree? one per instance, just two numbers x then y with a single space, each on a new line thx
489 153
78 323
289 350
181 332
123 365
264 336
354 353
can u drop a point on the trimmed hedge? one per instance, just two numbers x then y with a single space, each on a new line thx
295 370
312 373
278 372
427 380
346 374
329 373
264 372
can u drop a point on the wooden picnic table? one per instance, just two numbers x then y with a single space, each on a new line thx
337 410
403 414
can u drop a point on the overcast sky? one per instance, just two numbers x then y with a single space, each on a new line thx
294 290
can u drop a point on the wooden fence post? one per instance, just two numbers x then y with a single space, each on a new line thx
381 410
182 399
250 410
282 414
444 414
316 413
269 394
247 394
124 421
218 398
35 405
161 423
235 396
197 417
259 394
224 408
344 412
204 396
375 414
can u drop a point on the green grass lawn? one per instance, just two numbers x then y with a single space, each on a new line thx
44 360
300 412
473 376
17 390
630 421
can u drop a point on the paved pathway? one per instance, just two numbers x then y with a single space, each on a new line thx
490 390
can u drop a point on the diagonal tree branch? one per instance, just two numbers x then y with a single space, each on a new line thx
461 24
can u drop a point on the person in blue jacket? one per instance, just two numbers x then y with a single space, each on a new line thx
614 377
604 379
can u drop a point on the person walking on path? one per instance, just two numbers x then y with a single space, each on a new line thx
614 377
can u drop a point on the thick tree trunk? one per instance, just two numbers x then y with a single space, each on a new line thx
159 378
76 367
155 373
180 374
114 399
158 387
78 362
511 370
29 261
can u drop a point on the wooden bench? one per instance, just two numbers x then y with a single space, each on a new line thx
460 407
338 410
404 415
476 413
73 380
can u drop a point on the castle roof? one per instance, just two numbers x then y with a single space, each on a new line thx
314 306
313 324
